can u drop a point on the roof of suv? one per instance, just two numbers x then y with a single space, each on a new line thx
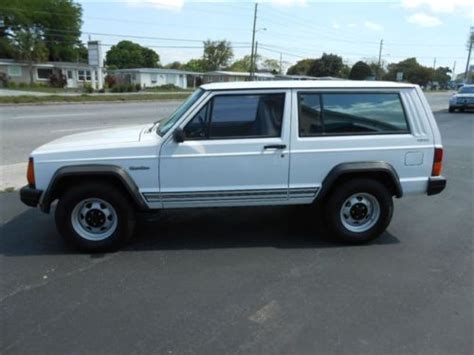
306 84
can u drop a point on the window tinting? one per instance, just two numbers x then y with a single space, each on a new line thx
309 114
363 113
350 113
237 116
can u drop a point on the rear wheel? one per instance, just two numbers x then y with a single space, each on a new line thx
451 109
95 217
359 210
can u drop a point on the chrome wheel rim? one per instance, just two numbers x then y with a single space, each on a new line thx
94 219
360 212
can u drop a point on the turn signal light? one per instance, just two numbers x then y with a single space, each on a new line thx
30 172
437 162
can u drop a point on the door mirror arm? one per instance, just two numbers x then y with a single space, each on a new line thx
178 135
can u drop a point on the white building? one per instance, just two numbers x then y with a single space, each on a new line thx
151 77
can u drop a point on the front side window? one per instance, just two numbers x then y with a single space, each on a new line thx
167 123
243 116
351 113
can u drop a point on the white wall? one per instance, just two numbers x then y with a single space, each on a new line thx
145 79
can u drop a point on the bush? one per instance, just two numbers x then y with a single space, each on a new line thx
110 81
88 89
138 87
57 80
4 80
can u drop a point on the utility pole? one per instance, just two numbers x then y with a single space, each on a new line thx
281 67
380 59
252 55
255 59
468 59
434 63
453 75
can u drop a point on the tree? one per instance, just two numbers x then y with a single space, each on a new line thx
127 54
360 71
56 23
441 75
272 65
412 71
301 67
327 65
196 65
174 65
28 46
243 64
217 54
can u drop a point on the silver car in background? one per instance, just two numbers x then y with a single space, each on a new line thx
463 99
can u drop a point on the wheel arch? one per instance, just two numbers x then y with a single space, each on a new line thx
379 170
111 174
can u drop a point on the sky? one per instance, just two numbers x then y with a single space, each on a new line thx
434 31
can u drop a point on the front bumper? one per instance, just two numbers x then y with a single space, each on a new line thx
436 184
30 196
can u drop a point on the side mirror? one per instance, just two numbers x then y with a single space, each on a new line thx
178 135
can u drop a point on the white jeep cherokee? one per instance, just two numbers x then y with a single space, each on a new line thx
351 145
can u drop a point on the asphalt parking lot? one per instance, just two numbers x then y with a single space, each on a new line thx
253 281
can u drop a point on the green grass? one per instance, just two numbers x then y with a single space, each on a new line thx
45 89
29 99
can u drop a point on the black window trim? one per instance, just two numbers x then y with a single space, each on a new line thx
210 102
321 102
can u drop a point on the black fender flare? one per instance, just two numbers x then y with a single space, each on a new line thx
91 171
366 167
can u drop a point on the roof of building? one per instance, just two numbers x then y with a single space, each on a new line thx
153 71
239 73
4 61
302 84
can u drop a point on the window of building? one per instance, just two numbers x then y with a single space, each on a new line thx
84 75
69 74
351 113
44 73
154 78
239 116
14 70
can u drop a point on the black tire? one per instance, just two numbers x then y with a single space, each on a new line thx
123 208
451 109
461 110
338 197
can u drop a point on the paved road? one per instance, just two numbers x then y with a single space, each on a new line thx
24 128
253 280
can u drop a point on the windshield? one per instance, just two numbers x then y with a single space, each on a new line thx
467 90
167 123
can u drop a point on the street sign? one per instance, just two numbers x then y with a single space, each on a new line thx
94 53
399 76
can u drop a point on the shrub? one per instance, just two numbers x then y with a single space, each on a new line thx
57 80
110 81
4 80
138 87
88 89
101 91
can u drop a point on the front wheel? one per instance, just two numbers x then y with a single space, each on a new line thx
95 217
359 210
451 109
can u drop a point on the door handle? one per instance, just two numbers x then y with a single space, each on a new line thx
275 146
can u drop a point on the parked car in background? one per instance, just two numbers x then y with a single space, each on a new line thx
349 145
463 99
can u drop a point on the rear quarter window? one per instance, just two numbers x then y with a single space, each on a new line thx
352 113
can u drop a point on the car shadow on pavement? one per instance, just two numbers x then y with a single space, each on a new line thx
34 233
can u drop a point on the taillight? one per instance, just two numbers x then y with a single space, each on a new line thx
437 162
30 172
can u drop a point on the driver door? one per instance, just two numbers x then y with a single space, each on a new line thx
235 153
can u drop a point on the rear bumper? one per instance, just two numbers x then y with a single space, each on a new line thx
30 196
436 184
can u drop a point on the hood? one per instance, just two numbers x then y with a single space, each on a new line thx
464 95
95 139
